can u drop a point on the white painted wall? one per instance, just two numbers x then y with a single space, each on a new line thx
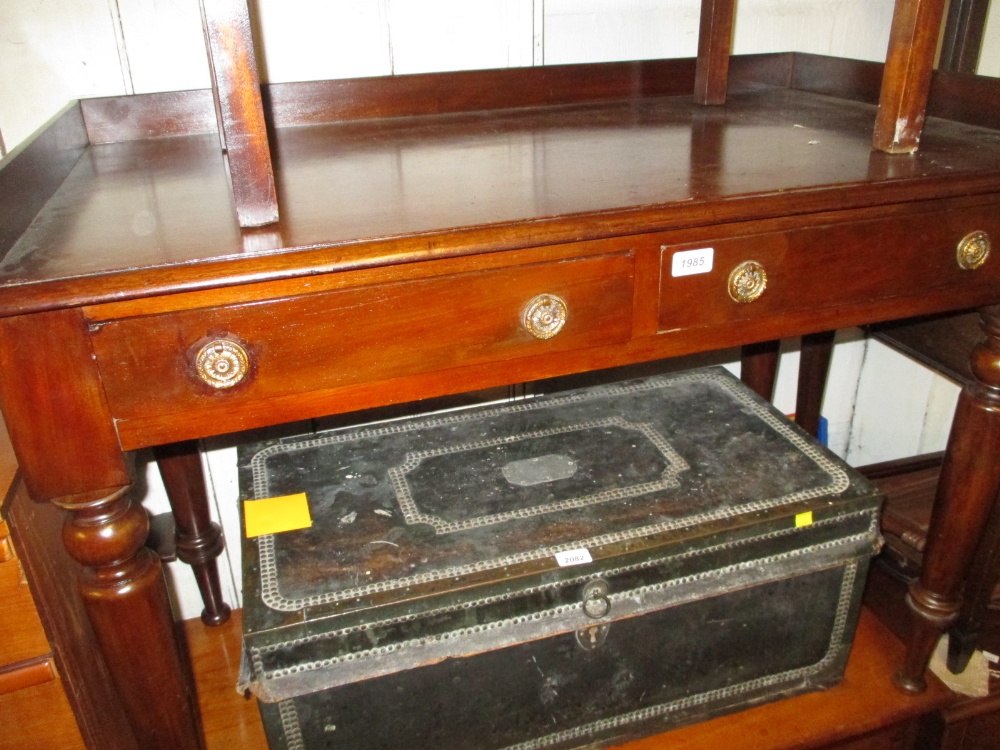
53 51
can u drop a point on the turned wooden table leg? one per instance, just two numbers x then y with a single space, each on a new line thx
759 366
68 451
199 539
967 489
126 600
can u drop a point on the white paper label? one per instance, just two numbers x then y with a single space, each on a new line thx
573 557
691 262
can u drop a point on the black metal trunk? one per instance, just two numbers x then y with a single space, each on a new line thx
572 570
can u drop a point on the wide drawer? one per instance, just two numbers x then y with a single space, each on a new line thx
199 358
830 265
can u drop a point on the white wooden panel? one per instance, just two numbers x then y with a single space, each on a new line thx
787 379
842 380
605 30
52 52
219 461
602 30
989 58
842 386
891 407
310 40
941 401
165 45
433 35
847 28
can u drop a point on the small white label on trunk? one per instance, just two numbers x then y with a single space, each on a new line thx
573 557
691 262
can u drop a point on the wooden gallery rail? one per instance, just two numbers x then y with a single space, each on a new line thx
381 238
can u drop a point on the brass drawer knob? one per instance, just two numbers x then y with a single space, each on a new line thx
544 316
973 250
222 363
747 281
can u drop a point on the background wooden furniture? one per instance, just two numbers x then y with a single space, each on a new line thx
909 485
33 703
942 343
945 344
349 302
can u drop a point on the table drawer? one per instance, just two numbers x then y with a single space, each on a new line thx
827 266
304 344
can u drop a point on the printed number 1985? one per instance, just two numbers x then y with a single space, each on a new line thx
691 262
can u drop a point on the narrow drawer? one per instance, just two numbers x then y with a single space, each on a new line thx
166 363
825 266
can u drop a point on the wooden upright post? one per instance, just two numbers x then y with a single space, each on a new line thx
907 78
236 85
715 42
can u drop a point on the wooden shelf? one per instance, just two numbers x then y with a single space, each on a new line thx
864 708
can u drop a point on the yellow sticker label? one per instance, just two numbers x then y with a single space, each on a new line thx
272 515
803 519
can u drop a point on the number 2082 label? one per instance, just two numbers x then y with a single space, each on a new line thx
691 262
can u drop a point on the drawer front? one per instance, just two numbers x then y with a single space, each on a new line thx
339 338
829 266
21 634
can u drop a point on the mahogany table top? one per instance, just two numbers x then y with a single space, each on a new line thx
147 215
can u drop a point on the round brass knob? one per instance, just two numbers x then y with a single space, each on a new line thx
544 316
973 250
222 363
747 281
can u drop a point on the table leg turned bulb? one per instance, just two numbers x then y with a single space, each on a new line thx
126 599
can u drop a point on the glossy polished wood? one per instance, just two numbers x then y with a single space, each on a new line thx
411 327
50 398
916 26
232 62
22 634
943 343
198 539
38 718
715 41
405 250
151 217
89 688
967 489
36 168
